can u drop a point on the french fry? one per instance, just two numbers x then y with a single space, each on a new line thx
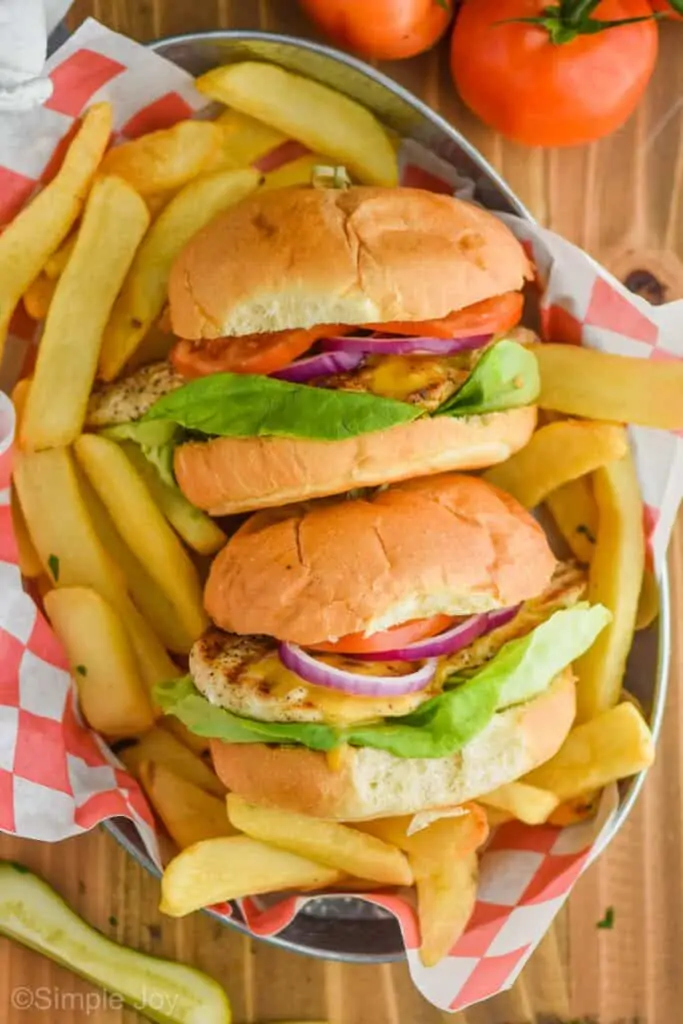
246 139
319 117
157 201
35 233
496 817
349 883
38 296
612 746
224 159
143 527
189 814
144 292
29 561
575 513
56 264
162 748
622 389
297 172
80 308
164 159
111 693
227 869
557 453
526 803
444 862
154 347
72 553
615 579
147 596
445 900
326 842
571 812
19 399
396 830
199 745
648 601
197 529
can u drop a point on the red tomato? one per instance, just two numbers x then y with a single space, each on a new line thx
382 29
492 316
252 353
388 639
665 7
545 92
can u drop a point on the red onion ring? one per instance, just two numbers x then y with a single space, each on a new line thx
385 345
454 639
321 674
319 366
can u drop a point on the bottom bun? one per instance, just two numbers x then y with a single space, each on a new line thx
232 474
371 783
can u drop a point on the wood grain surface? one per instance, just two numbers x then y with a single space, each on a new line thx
622 200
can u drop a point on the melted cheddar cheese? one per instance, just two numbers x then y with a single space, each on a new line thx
336 708
400 376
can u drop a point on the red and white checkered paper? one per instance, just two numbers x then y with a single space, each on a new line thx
58 779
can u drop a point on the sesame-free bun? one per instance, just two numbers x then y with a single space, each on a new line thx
229 475
300 257
370 783
447 544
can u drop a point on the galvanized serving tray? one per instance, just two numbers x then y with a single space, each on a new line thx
351 930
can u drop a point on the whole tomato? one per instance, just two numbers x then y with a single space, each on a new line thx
381 29
545 77
665 7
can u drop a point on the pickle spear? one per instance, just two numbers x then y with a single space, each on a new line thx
170 993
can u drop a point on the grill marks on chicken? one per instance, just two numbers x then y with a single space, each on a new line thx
421 380
132 396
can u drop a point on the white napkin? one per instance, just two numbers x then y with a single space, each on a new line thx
24 28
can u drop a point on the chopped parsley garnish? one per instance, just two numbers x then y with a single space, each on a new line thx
608 920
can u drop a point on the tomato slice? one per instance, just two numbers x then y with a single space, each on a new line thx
492 316
250 353
388 639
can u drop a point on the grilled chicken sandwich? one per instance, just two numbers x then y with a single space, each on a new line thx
332 340
379 656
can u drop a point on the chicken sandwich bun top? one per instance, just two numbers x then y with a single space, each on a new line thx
299 258
334 339
385 655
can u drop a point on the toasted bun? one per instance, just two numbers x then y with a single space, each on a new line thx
371 783
440 545
230 475
301 257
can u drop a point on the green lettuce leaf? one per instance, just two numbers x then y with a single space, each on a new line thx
157 443
181 698
249 405
505 377
521 670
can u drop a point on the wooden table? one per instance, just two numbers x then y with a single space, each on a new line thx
623 201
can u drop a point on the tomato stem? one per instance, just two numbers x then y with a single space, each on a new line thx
579 10
568 19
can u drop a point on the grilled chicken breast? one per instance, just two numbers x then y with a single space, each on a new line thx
131 397
245 675
422 380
